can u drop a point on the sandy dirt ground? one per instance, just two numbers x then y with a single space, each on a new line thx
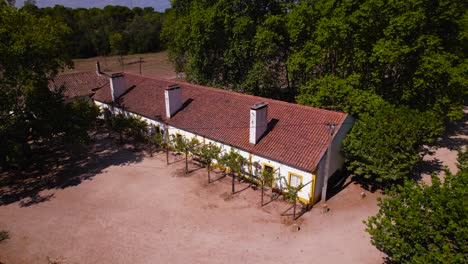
444 153
140 210
154 64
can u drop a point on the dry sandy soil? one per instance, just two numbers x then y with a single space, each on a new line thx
154 64
445 152
126 207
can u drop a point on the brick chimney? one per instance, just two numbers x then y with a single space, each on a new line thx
117 85
98 68
173 97
258 121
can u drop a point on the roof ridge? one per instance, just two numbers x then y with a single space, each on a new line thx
75 73
220 90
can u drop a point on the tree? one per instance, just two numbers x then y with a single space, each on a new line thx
192 146
266 179
31 111
179 143
463 160
213 43
80 116
117 43
234 162
291 194
156 141
92 29
384 146
424 223
143 33
137 129
129 126
119 124
209 153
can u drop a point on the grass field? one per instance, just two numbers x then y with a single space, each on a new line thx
154 64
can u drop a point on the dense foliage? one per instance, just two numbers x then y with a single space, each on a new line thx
424 224
389 64
385 145
31 52
129 126
111 30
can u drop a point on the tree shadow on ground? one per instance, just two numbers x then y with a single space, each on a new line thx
454 137
59 169
428 167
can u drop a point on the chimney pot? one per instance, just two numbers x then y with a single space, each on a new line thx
98 68
117 85
258 121
173 99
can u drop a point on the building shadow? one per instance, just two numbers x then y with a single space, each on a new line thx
270 127
338 182
59 169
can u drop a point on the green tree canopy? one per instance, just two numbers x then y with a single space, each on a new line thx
31 112
385 146
94 30
424 224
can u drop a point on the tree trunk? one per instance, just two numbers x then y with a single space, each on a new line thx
294 212
208 168
233 182
167 154
186 160
262 191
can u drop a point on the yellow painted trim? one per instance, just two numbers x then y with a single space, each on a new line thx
301 182
312 188
303 200
294 174
314 176
264 164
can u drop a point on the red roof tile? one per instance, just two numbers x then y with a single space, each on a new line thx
298 138
79 84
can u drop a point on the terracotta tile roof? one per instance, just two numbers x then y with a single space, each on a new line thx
79 84
298 135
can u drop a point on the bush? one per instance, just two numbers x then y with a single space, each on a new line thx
424 224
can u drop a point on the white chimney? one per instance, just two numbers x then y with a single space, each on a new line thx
98 68
117 85
258 121
173 96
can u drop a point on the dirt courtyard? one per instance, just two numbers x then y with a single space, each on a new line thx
140 210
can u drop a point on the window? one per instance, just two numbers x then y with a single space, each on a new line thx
157 129
271 170
295 179
107 113
268 168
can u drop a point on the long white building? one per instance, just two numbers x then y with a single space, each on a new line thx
290 140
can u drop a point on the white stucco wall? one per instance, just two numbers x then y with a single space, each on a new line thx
336 159
314 183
